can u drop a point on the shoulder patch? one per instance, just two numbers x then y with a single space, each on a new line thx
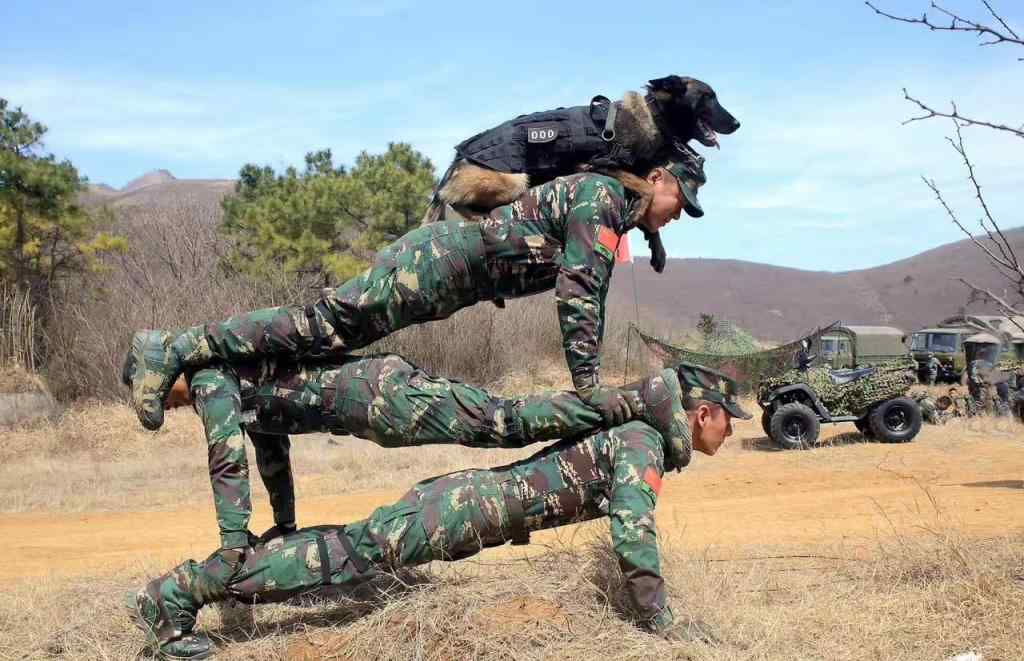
653 480
607 241
539 133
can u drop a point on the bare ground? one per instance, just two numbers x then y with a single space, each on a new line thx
853 550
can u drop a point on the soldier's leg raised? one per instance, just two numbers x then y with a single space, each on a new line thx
428 274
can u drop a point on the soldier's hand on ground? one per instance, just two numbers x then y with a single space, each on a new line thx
279 530
613 404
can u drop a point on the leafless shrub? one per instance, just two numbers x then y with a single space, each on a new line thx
17 329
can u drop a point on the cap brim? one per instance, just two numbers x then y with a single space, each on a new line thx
691 205
735 411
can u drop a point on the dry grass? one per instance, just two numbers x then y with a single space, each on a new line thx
922 591
922 598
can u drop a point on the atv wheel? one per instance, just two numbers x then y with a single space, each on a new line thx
896 421
864 427
766 422
794 426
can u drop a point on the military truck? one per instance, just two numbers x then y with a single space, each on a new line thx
848 346
946 341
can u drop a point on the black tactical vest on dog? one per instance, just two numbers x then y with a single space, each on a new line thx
548 144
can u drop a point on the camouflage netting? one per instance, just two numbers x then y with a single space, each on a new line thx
890 379
748 368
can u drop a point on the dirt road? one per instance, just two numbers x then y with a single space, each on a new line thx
749 495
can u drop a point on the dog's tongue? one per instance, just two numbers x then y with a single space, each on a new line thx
710 138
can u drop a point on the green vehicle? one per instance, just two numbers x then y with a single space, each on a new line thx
946 341
845 347
796 403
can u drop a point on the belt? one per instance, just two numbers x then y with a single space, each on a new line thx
516 516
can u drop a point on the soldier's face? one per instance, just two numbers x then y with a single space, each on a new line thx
709 427
667 203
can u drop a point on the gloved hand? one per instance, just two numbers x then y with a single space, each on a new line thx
218 570
658 256
615 406
278 530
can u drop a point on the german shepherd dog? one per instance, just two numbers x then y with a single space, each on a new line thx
618 138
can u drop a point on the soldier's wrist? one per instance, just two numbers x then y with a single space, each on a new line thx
234 540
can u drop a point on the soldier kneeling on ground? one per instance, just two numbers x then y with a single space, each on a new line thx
934 412
615 473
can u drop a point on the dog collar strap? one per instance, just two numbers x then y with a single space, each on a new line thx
658 116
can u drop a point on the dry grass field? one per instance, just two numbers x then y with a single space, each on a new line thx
853 550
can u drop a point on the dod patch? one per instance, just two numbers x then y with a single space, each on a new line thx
541 133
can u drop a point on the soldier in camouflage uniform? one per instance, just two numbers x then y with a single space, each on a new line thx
384 399
615 474
978 372
933 368
930 412
560 235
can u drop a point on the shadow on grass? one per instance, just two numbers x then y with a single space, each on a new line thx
996 484
330 606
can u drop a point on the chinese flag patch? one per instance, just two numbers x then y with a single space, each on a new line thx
653 480
607 241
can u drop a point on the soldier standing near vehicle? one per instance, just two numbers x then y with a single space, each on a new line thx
615 474
560 235
933 368
386 400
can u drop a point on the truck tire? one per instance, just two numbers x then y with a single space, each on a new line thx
896 420
794 426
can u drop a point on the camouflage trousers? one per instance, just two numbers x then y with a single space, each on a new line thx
428 274
446 518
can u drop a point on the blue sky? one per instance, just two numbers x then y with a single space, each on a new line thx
821 175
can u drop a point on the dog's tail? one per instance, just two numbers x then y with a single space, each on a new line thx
435 209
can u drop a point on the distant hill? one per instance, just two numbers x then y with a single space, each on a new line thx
157 189
778 303
774 303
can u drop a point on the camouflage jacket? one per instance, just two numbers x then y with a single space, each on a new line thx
617 474
563 234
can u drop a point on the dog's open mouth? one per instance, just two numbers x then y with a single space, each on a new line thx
706 135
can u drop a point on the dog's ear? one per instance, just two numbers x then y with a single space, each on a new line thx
672 84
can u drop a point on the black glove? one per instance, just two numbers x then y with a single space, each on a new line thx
613 404
278 530
658 256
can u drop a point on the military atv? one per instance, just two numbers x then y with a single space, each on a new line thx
795 403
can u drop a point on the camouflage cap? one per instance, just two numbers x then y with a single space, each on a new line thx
701 382
687 166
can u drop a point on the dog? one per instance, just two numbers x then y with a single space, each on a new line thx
497 166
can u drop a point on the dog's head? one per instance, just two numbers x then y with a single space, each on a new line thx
691 109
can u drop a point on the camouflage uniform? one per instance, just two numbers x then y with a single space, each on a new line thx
560 235
933 369
615 474
978 385
929 411
386 400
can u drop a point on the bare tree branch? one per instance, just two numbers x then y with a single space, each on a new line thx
986 294
956 116
993 35
1001 242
